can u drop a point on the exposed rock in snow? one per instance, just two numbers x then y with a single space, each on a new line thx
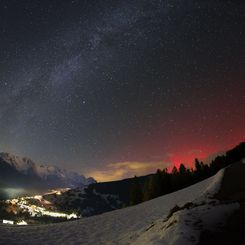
185 226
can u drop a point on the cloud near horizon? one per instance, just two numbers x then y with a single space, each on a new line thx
122 170
128 169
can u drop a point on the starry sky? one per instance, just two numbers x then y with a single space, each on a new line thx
114 88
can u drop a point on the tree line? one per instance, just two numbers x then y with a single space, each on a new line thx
164 182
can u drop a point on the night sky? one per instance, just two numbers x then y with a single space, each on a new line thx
117 88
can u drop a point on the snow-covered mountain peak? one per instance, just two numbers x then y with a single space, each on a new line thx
45 172
19 163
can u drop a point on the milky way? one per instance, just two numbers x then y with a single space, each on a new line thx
107 85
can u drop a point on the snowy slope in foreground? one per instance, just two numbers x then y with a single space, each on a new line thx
142 224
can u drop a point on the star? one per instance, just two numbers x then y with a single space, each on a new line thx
81 87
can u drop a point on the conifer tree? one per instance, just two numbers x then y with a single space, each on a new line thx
136 195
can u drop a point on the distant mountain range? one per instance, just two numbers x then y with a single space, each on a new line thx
22 172
90 198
